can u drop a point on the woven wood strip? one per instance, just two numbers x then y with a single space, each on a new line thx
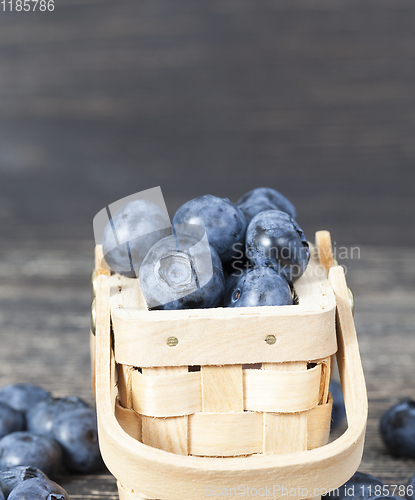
281 391
168 434
222 388
318 425
325 380
174 395
125 384
125 493
225 434
285 432
129 421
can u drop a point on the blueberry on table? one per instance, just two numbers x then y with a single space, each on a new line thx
267 196
38 489
338 412
131 232
22 396
182 272
360 486
27 448
223 221
11 420
76 431
258 286
274 239
40 418
397 428
13 476
410 490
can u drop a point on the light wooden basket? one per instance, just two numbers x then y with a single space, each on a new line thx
196 400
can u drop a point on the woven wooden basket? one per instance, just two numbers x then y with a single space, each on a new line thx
191 403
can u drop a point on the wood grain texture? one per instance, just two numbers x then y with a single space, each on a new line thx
48 338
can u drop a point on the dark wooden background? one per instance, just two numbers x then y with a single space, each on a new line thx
101 99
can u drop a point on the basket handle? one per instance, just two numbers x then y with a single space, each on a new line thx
348 356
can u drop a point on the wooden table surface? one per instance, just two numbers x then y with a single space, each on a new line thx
44 324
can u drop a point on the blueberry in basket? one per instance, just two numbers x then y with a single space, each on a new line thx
397 429
223 221
182 271
258 286
260 199
131 232
274 239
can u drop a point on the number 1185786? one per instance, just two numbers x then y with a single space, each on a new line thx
27 5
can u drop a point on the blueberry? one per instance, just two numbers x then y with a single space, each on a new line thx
76 432
397 428
251 209
2 497
360 486
11 420
274 239
131 232
180 272
410 490
258 286
38 489
267 196
40 418
338 411
13 476
21 397
27 448
223 221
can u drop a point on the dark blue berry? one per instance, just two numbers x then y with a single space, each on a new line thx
258 286
13 476
338 411
76 431
267 196
38 489
397 428
274 239
11 420
251 209
22 396
182 272
27 448
40 418
131 232
223 221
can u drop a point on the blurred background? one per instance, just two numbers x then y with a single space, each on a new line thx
102 99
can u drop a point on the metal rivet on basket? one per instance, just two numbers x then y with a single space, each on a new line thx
94 282
351 299
93 316
270 339
172 341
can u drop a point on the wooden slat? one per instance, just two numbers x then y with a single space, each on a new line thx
168 434
318 424
101 267
172 393
225 434
129 420
284 433
324 247
222 388
125 384
282 387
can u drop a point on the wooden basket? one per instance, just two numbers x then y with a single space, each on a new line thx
194 402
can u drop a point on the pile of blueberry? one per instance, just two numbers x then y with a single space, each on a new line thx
215 253
38 431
